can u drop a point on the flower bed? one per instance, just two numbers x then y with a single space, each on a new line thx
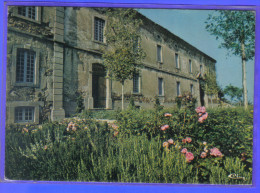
166 146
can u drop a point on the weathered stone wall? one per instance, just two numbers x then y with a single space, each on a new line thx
83 51
42 91
63 39
34 35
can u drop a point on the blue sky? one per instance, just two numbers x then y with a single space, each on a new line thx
190 26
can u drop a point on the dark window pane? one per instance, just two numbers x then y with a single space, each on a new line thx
136 83
159 53
25 65
22 11
160 86
99 29
24 114
178 88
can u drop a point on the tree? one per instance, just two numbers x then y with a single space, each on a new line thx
237 30
211 87
234 92
124 53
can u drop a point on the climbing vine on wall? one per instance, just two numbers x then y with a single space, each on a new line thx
210 87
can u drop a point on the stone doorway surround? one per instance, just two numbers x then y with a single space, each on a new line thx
95 74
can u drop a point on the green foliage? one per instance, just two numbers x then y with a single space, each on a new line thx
131 102
133 149
90 153
211 83
231 166
124 54
234 92
234 27
157 104
123 37
237 30
186 101
80 104
99 114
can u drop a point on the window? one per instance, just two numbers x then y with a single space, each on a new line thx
160 86
191 89
200 68
25 65
136 83
29 12
159 53
178 88
177 60
99 25
190 65
24 114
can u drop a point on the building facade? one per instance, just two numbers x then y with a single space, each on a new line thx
54 59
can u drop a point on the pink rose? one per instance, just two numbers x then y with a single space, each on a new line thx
203 109
184 150
170 141
184 141
188 139
164 127
203 154
215 152
189 156
204 143
116 133
25 130
167 114
70 124
201 119
165 144
200 110
114 126
205 116
74 128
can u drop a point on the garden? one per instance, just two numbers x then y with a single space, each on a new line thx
182 145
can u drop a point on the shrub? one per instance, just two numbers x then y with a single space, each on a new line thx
166 146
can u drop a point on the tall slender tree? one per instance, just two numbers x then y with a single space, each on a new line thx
237 30
124 53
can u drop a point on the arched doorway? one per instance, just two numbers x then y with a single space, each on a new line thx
98 86
202 93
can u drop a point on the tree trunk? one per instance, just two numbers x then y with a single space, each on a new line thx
123 95
244 75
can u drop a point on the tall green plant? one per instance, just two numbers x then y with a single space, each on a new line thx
124 54
237 30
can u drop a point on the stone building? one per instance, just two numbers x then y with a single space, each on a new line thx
54 58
